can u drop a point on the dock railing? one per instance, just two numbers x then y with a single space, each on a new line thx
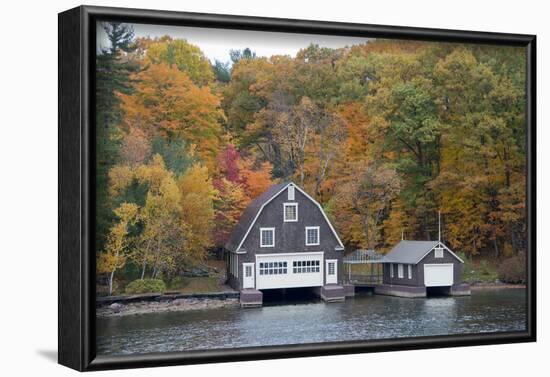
363 267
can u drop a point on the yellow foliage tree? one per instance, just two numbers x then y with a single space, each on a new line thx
118 242
185 56
197 210
161 243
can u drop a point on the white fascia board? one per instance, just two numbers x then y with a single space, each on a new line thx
305 253
440 245
307 196
258 214
324 215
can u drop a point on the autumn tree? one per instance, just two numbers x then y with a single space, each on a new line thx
197 211
119 242
230 203
255 181
238 183
187 57
383 134
483 166
167 103
113 71
161 244
363 202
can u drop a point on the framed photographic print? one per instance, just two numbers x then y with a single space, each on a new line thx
238 188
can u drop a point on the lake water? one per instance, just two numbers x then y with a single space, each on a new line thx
293 322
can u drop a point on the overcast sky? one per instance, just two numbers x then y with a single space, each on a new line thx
216 43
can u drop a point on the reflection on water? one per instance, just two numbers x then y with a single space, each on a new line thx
294 322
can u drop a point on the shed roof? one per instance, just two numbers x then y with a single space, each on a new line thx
410 252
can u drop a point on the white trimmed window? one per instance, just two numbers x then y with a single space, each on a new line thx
410 271
273 268
305 266
439 252
290 192
312 235
391 270
400 271
331 268
290 212
267 237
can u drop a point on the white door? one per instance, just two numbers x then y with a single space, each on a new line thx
248 275
289 270
438 275
332 271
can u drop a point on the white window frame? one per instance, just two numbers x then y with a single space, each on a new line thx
409 271
273 268
291 193
262 237
318 235
439 253
284 212
400 271
391 270
333 265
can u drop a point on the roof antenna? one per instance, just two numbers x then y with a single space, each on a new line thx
402 234
439 226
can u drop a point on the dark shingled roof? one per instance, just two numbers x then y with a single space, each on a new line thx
249 214
409 252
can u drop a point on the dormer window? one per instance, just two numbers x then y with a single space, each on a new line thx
290 212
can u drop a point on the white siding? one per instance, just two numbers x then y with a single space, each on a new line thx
289 275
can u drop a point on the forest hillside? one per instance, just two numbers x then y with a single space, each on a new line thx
383 134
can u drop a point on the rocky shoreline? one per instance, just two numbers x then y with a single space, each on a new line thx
120 306
118 309
494 285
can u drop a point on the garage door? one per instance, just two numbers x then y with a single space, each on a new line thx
438 275
289 270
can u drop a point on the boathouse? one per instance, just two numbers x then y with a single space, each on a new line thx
413 268
284 240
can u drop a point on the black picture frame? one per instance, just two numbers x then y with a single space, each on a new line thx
76 186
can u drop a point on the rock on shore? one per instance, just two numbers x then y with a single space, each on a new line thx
178 305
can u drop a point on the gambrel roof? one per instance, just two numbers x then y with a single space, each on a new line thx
252 212
412 252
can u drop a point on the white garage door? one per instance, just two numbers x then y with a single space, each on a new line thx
289 270
438 275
